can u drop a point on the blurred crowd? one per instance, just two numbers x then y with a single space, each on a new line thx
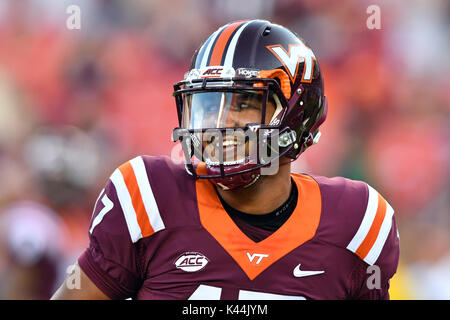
75 104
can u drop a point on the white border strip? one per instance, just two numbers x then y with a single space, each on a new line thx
148 198
375 251
369 216
127 205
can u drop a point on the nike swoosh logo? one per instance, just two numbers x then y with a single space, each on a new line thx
300 273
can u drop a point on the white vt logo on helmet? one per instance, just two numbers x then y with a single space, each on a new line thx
290 59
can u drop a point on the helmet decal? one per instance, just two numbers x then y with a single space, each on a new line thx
281 75
205 50
291 58
220 45
222 41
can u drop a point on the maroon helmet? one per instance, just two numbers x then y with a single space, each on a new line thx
253 94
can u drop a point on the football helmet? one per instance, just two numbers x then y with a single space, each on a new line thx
254 93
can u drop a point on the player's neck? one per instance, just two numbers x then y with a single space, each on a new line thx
266 195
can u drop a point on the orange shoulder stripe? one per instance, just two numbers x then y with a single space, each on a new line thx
132 185
372 235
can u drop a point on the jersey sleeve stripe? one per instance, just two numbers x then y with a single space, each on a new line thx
151 207
375 251
374 230
127 205
369 216
133 188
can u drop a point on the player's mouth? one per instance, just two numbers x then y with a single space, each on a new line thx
233 149
229 144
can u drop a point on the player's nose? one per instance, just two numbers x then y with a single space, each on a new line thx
233 119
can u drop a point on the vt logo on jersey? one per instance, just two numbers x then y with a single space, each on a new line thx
291 58
191 261
258 256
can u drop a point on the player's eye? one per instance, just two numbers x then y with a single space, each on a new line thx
247 105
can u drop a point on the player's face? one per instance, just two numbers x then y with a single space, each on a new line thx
233 110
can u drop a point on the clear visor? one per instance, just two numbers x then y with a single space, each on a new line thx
231 111
228 109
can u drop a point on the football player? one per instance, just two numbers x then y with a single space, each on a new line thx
234 222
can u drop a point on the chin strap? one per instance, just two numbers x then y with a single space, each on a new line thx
314 133
236 181
234 186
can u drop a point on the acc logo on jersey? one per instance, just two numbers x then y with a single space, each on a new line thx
191 261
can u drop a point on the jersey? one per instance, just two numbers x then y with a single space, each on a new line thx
157 233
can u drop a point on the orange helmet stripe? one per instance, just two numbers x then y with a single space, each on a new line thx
221 43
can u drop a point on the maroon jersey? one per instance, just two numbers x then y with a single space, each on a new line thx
157 233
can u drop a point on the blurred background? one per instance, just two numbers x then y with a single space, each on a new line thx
75 104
